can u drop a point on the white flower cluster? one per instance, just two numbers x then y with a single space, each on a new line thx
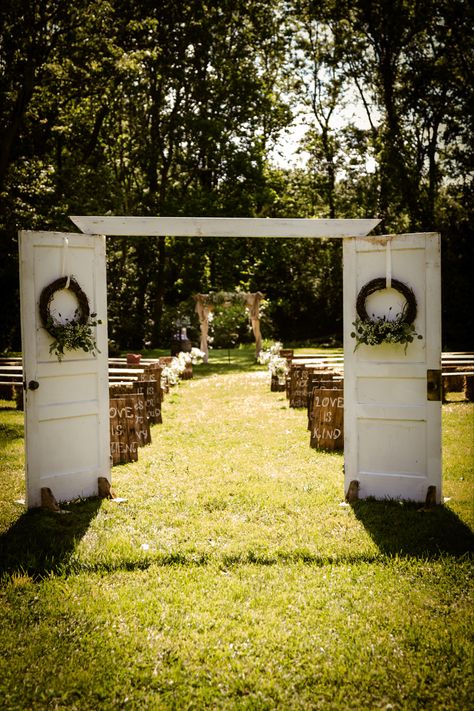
264 357
276 365
196 356
172 373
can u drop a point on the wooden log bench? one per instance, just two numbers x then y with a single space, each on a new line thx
117 374
11 381
469 387
11 376
457 370
458 373
458 381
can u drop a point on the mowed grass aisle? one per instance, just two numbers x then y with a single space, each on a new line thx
233 578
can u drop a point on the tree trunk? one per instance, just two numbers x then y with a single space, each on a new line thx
10 134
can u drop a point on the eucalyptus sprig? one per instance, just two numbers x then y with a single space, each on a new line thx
377 330
73 335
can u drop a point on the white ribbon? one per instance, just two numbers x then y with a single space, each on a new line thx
65 262
388 264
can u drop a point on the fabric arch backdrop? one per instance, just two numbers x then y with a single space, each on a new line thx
205 306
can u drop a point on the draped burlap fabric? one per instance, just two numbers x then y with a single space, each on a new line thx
253 305
203 310
204 306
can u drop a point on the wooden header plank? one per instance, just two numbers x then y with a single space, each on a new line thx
221 226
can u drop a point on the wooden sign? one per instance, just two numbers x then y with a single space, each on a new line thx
152 371
298 390
327 429
151 391
124 441
317 380
300 381
142 421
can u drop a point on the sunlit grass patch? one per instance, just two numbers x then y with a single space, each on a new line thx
12 470
232 576
298 635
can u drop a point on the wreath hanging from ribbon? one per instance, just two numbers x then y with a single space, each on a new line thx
72 334
373 330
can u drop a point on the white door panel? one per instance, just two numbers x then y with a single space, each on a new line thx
392 430
66 417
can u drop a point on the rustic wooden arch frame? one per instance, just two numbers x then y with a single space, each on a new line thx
205 305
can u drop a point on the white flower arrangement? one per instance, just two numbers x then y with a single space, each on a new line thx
168 378
172 373
277 366
265 357
197 356
182 359
177 366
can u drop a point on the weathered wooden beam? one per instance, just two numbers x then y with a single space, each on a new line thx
221 226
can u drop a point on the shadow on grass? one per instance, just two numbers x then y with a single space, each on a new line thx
401 528
41 542
11 431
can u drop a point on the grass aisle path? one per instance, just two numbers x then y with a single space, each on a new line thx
232 578
232 478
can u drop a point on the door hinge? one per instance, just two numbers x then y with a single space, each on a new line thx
434 389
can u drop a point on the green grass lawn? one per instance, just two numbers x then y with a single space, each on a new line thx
232 577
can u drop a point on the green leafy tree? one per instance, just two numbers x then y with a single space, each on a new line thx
174 108
229 326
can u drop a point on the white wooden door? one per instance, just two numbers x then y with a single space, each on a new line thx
392 416
66 403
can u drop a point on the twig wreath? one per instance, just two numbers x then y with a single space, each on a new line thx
76 333
375 330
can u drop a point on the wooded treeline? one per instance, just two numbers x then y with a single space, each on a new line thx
178 107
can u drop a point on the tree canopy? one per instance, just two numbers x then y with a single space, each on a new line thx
182 108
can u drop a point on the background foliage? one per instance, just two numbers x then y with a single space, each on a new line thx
182 108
